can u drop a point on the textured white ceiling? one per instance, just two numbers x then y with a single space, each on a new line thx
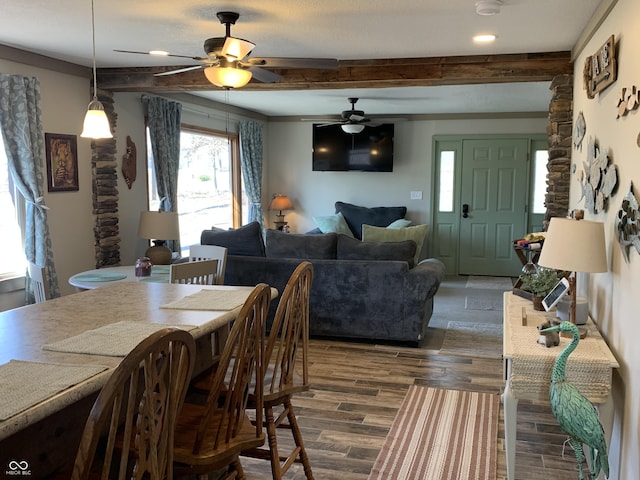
353 29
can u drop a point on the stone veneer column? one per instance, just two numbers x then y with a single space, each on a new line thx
105 191
560 131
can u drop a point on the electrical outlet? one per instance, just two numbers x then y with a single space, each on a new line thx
416 195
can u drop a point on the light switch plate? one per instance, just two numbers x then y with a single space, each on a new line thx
416 195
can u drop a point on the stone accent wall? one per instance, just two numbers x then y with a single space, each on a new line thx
560 132
105 191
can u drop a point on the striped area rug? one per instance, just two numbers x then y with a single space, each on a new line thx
441 434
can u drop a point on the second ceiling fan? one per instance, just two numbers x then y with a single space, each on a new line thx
228 63
354 121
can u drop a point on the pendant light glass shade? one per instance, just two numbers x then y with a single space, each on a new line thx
227 77
96 123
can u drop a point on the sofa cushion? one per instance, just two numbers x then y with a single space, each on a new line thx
333 224
350 248
400 223
416 233
291 245
356 216
246 240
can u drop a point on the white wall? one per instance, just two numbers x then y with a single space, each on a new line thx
314 193
613 297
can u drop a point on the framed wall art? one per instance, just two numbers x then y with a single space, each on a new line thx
62 162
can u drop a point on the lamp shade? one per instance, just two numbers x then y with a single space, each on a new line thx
227 77
96 123
280 202
159 226
352 128
574 245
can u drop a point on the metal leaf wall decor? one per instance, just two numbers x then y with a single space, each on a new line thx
627 228
599 178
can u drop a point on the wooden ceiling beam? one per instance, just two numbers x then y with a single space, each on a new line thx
380 73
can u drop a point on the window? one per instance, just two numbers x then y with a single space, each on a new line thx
210 187
12 262
540 159
446 171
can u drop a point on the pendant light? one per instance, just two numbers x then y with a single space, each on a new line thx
96 123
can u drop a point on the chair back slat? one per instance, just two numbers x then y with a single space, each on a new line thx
240 362
39 283
196 273
289 336
132 421
210 252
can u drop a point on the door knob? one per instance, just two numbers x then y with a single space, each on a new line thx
465 210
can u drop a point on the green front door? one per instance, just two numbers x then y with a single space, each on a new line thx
494 195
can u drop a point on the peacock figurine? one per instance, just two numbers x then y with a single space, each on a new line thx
575 414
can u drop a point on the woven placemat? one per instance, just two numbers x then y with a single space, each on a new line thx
113 340
25 384
588 367
210 300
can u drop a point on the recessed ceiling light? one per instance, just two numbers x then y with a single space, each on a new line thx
485 38
158 52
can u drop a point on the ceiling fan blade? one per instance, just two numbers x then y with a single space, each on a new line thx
200 59
284 62
179 70
357 118
262 75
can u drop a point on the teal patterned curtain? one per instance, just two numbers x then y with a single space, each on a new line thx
163 120
21 125
251 161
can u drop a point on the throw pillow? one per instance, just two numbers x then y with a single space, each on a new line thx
417 233
292 245
356 216
400 223
350 248
333 224
246 240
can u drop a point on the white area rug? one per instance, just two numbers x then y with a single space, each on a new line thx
465 339
492 283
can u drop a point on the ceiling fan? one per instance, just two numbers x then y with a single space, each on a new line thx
227 63
354 121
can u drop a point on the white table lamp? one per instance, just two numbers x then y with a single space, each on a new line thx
575 246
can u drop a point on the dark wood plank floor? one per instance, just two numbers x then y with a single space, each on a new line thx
357 389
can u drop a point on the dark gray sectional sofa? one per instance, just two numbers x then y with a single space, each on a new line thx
361 290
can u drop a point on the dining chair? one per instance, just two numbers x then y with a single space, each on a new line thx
210 434
202 272
286 373
129 432
39 283
210 252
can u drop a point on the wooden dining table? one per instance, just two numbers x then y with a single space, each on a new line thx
44 436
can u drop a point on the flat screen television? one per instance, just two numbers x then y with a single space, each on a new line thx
370 150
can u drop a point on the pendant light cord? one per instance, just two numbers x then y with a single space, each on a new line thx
93 31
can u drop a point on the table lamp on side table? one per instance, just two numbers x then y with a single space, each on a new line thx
159 227
279 203
575 246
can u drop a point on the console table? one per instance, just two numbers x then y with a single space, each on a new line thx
527 368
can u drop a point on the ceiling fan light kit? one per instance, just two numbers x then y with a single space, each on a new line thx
227 77
488 7
96 123
352 128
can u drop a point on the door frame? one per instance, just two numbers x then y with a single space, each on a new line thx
448 252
